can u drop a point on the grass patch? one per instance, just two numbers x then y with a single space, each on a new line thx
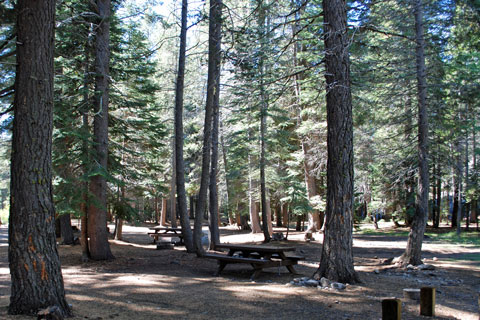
472 238
380 232
465 238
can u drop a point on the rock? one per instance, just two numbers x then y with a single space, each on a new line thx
324 282
411 294
426 267
50 313
338 286
411 267
376 271
311 283
278 236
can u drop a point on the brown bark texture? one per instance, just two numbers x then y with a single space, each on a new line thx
413 251
36 278
97 213
212 86
336 262
215 32
179 161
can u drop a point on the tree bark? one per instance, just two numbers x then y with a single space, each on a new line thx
336 262
216 29
97 213
36 278
231 218
173 189
213 194
85 150
163 214
213 81
438 204
119 229
413 251
180 164
66 229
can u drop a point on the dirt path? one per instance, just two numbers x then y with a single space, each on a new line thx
144 283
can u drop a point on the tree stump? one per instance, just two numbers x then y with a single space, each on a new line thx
427 301
391 309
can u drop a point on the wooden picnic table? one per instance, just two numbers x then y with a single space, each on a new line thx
164 232
258 256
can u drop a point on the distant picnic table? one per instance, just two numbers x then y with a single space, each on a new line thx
165 232
258 256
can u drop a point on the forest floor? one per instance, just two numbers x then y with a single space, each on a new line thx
145 283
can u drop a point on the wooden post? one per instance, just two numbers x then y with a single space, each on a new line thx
391 309
427 301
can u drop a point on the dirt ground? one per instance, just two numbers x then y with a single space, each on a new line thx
145 283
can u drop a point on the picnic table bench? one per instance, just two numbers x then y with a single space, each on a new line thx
258 256
165 232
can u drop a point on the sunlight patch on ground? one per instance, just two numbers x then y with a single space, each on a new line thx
135 280
442 311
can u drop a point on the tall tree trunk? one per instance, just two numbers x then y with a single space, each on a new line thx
36 277
285 214
278 215
228 209
97 213
457 215
180 164
263 118
252 191
336 262
173 189
66 228
216 30
85 165
456 192
163 213
213 81
436 223
118 228
213 193
157 212
413 251
310 183
313 216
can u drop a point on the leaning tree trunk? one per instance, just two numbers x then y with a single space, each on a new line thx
336 262
97 213
413 251
36 278
180 164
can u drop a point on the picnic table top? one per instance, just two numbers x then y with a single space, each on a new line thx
254 247
165 228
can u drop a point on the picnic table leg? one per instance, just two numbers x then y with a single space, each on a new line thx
291 269
221 266
256 273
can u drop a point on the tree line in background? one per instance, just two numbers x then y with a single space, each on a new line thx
220 111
